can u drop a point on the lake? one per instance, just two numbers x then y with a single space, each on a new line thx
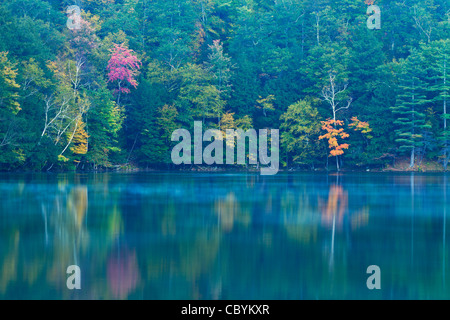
224 236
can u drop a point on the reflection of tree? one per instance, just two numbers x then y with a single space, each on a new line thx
208 240
103 253
8 271
168 223
334 211
336 206
123 273
197 257
444 233
299 217
335 214
62 236
66 219
229 211
183 242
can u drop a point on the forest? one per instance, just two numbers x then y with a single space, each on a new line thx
104 88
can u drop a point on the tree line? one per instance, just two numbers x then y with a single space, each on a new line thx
111 91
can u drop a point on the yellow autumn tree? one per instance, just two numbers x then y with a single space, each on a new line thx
361 126
80 139
8 87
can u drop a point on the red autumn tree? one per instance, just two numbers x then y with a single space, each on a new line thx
332 135
123 67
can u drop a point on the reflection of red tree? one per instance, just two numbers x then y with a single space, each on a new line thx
123 273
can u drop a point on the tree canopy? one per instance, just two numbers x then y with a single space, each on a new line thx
110 90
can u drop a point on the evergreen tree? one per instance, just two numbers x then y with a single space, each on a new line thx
410 105
437 53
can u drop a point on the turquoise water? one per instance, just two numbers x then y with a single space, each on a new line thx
224 236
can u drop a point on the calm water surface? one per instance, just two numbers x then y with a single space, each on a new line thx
224 236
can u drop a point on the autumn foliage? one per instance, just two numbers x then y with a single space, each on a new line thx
332 135
361 126
80 139
123 67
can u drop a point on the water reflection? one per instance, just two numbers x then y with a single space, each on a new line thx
123 272
230 236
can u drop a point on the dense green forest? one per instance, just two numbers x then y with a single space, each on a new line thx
111 91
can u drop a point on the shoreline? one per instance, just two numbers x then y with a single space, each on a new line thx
400 166
199 169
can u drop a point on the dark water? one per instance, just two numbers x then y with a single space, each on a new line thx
224 236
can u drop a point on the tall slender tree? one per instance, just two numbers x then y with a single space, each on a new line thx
410 105
438 53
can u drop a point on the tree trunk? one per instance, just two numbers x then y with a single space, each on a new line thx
71 138
317 28
445 118
411 164
334 118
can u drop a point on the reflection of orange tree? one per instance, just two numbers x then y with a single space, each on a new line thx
333 214
336 208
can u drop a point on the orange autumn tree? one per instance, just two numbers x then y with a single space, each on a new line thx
332 135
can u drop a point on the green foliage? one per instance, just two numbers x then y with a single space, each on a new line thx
245 64
300 131
410 107
8 87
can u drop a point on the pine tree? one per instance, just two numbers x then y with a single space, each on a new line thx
437 54
219 64
409 108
